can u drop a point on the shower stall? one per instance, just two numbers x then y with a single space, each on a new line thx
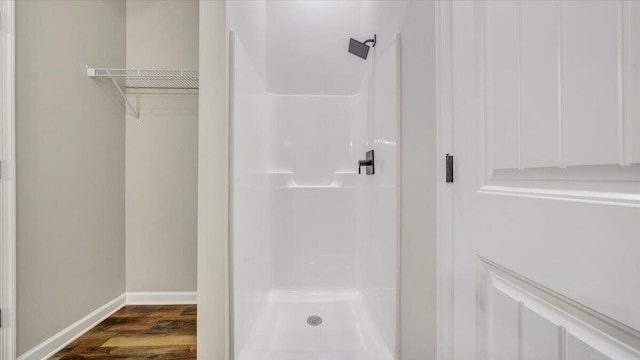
314 244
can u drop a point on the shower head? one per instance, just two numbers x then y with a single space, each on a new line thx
361 49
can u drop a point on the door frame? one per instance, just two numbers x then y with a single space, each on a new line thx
8 183
445 191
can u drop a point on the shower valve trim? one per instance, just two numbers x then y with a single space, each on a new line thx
368 163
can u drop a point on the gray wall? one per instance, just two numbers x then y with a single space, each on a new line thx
418 276
212 184
70 164
162 151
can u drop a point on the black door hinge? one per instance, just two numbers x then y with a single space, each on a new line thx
449 168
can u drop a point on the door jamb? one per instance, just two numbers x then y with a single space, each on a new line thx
445 191
8 183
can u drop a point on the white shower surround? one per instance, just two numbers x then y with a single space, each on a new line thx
307 233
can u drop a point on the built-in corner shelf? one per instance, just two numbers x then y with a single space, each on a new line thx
146 79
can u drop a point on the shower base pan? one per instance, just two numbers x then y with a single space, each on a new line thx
314 326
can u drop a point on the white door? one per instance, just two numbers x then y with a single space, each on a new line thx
546 198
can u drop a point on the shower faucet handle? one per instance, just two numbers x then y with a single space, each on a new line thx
362 163
368 164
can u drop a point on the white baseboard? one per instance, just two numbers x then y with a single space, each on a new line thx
58 341
162 298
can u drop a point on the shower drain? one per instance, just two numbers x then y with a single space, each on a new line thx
314 320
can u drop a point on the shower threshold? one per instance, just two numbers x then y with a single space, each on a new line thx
298 325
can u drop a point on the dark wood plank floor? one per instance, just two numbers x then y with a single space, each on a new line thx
139 332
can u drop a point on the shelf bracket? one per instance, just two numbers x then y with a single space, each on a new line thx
91 72
124 96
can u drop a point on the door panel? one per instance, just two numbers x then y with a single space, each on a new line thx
547 192
538 85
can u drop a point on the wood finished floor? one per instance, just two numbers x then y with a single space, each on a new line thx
139 332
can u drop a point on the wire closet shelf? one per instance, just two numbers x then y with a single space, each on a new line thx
150 79
146 79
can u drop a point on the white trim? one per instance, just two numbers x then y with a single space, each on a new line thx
58 341
8 184
162 298
399 141
229 305
590 197
444 131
